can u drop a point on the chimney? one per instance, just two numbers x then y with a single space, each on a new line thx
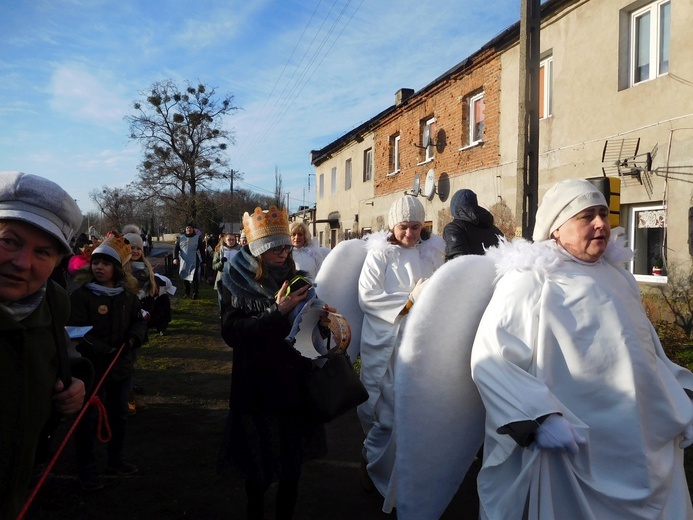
402 95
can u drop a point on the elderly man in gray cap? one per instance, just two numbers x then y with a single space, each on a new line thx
37 220
585 415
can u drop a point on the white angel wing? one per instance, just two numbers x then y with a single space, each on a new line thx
439 416
337 284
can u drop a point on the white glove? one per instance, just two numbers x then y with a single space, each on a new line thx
416 291
557 434
687 437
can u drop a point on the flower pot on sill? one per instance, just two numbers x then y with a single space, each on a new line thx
657 271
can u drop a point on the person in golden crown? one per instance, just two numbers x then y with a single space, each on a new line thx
263 432
107 300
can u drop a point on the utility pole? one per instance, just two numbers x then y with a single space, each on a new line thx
528 120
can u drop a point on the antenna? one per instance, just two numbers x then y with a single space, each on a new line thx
620 157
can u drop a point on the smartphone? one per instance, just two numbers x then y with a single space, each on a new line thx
296 283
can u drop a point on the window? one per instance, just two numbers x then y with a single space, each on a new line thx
649 41
647 228
321 185
476 118
394 153
368 164
428 138
334 180
546 88
347 174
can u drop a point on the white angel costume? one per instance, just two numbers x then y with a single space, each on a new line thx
389 274
310 257
565 336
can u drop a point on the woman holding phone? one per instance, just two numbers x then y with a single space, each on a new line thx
265 426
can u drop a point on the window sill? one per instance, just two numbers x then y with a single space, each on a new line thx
478 143
647 278
392 174
426 161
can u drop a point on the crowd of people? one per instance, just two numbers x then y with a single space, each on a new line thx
585 417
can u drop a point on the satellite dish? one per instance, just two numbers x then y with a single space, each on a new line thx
430 184
416 187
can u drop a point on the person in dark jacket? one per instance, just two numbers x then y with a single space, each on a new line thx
37 220
263 436
108 302
471 230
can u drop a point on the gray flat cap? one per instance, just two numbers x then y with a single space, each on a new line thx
41 203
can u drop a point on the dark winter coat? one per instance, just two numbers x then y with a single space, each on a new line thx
470 231
28 372
265 427
115 319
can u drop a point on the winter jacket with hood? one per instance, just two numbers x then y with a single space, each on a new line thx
471 230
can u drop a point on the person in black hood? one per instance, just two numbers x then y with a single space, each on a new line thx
471 230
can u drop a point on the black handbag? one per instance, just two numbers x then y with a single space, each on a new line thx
334 389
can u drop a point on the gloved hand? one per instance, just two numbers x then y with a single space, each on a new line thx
416 291
557 434
687 437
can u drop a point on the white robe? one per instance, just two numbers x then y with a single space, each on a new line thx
388 275
309 258
188 257
561 335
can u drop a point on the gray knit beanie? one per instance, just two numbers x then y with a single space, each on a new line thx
406 209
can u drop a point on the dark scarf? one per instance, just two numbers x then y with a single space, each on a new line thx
246 292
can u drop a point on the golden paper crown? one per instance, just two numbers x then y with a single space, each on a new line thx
263 224
116 247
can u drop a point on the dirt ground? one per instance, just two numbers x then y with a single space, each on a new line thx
184 381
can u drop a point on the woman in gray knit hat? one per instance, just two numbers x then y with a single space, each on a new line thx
37 220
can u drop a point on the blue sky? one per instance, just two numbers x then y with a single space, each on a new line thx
303 73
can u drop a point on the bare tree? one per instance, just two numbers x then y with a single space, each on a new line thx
677 294
117 206
184 142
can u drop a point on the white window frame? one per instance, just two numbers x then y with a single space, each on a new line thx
547 88
347 174
394 148
656 48
430 149
472 120
639 248
321 185
367 164
333 178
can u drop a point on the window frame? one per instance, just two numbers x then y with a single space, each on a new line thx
367 164
321 185
546 88
394 154
655 42
430 150
333 179
347 174
639 249
472 119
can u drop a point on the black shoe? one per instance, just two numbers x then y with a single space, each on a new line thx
123 468
90 482
195 296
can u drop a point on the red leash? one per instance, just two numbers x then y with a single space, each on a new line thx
102 424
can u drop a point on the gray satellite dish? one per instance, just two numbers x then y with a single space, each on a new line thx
416 187
430 184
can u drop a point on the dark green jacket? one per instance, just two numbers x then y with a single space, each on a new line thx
28 372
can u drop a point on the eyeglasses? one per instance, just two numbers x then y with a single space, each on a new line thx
281 249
